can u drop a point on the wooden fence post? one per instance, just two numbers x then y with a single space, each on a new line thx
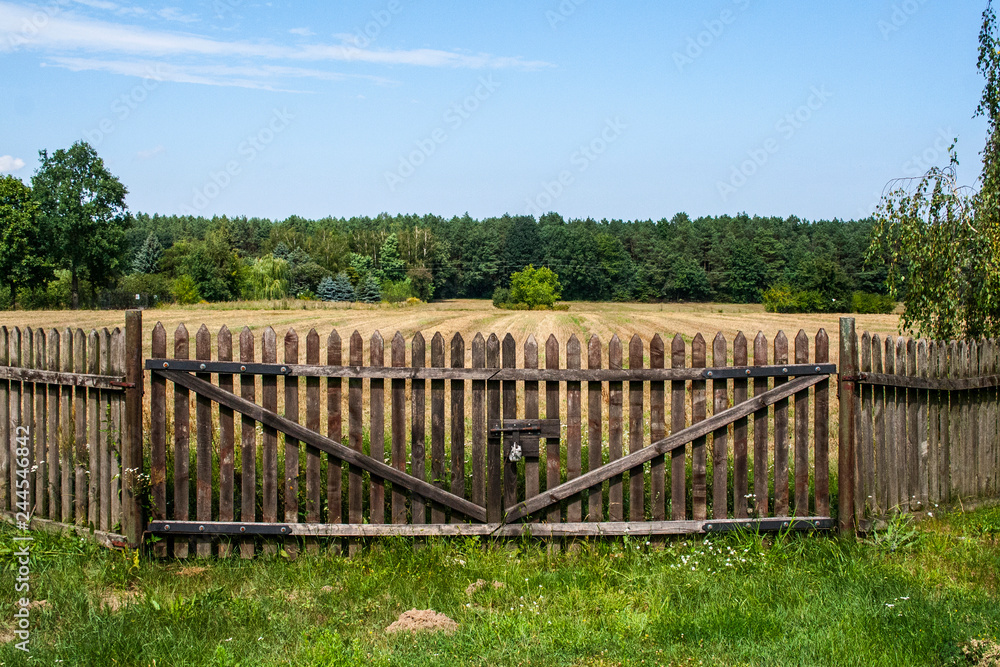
845 454
132 449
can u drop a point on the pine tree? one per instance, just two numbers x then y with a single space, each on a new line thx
326 289
369 291
342 288
148 257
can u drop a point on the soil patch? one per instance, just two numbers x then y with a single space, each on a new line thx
416 620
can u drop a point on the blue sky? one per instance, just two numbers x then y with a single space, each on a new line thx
629 110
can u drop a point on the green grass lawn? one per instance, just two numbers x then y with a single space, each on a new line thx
912 594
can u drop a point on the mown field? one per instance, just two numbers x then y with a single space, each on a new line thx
924 594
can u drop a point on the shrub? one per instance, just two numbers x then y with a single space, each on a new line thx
783 299
398 291
501 296
867 303
535 287
368 290
560 306
265 278
413 301
336 289
185 290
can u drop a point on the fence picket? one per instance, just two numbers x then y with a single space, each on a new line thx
80 491
802 432
438 471
636 478
595 431
458 472
290 479
780 432
494 444
615 491
657 431
355 481
376 429
118 429
314 493
66 423
821 430
720 437
334 431
104 444
40 429
574 462
203 466
531 479
227 438
7 497
933 425
479 423
248 444
16 389
182 443
269 443
741 488
760 432
28 415
552 453
699 490
508 350
864 504
418 396
398 426
902 429
968 420
52 406
678 422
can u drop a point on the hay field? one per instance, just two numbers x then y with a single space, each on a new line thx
468 316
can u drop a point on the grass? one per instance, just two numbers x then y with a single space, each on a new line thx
911 595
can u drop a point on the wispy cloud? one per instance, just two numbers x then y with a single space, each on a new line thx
9 163
152 152
175 14
67 32
259 77
304 32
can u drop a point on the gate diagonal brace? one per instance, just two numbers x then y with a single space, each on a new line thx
313 439
648 453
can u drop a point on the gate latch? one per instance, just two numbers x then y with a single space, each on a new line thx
521 435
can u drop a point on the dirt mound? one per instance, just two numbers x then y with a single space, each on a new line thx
423 619
479 583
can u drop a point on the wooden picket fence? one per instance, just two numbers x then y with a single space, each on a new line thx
926 426
344 440
61 395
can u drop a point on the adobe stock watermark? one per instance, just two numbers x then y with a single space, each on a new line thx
581 159
563 11
786 128
22 543
124 105
918 164
32 25
363 36
454 117
901 14
714 29
247 150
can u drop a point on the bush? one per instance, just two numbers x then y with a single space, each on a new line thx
336 289
535 287
867 303
560 306
155 285
784 299
368 290
398 291
501 296
185 290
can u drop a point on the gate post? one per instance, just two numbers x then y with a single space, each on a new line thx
132 444
847 366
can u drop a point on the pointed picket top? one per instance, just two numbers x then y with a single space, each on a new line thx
530 352
397 347
678 350
357 347
493 351
479 351
333 339
552 352
740 349
202 343
720 350
376 350
698 342
437 350
159 336
740 339
780 348
457 351
418 351
656 351
635 347
312 338
225 333
312 347
923 359
890 356
334 350
594 351
225 344
615 353
180 331
4 337
291 335
866 351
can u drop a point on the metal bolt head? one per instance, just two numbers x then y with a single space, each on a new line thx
203 367
201 529
784 370
283 529
166 365
818 369
709 373
748 371
284 370
166 527
243 529
243 369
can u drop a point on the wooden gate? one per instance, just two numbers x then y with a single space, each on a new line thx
497 466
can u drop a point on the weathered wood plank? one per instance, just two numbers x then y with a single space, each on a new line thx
121 484
531 471
158 437
968 434
105 439
314 492
636 432
16 396
269 442
7 453
720 437
821 429
227 438
923 445
355 488
28 415
574 453
348 454
203 454
912 437
66 422
760 433
673 441
657 431
933 425
615 491
865 450
291 473
780 432
508 350
438 470
53 428
878 424
69 379
376 428
334 431
740 468
248 443
902 438
479 423
678 422
891 436
801 432
398 426
595 431
457 387
418 398
80 490
552 445
956 450
182 443
39 430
